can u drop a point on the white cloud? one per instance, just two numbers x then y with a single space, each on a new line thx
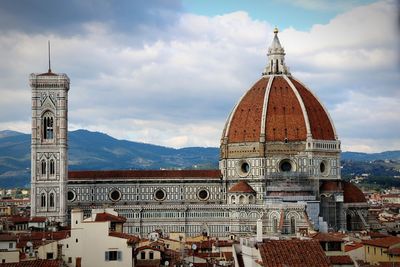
178 89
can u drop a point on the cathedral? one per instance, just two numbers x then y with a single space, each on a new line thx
279 167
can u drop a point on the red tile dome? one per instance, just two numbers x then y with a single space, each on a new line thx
241 187
278 108
351 193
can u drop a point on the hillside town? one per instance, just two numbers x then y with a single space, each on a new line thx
35 241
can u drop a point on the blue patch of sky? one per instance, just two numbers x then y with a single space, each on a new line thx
299 14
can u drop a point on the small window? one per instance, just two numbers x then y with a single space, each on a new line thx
115 195
51 200
10 245
245 167
43 200
47 123
151 255
52 167
142 255
69 259
285 165
160 194
49 256
71 195
44 167
203 194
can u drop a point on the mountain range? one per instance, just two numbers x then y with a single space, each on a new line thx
98 151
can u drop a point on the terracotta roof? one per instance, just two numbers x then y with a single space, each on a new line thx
376 235
147 263
320 124
284 114
130 238
294 253
37 219
352 246
351 193
241 187
145 174
245 123
384 242
107 217
7 237
328 237
394 251
341 260
48 73
285 118
19 219
34 263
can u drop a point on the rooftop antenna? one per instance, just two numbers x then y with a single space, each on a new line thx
48 45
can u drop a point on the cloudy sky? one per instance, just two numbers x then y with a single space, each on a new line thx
169 72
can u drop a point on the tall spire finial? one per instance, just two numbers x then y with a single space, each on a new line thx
48 45
276 58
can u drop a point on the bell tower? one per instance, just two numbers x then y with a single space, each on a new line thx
49 146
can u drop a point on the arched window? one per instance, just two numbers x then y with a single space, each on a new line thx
233 199
47 123
51 201
44 167
274 225
292 225
241 199
43 200
52 167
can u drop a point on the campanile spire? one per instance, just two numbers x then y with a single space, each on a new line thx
276 58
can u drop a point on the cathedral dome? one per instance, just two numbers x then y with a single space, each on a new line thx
278 107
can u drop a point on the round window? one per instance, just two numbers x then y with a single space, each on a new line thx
71 195
203 194
160 194
115 195
322 167
245 167
285 166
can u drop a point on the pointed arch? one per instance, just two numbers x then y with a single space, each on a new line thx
47 125
43 200
52 167
43 167
52 200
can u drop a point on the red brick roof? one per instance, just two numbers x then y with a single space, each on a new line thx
351 193
107 217
34 263
7 237
241 187
284 114
294 253
38 219
285 118
145 174
352 246
320 124
384 242
394 251
341 260
130 238
328 237
245 122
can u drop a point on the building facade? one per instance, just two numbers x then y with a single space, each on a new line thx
279 149
49 156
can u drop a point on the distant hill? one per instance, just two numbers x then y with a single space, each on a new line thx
358 156
98 151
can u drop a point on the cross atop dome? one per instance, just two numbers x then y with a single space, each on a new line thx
276 58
